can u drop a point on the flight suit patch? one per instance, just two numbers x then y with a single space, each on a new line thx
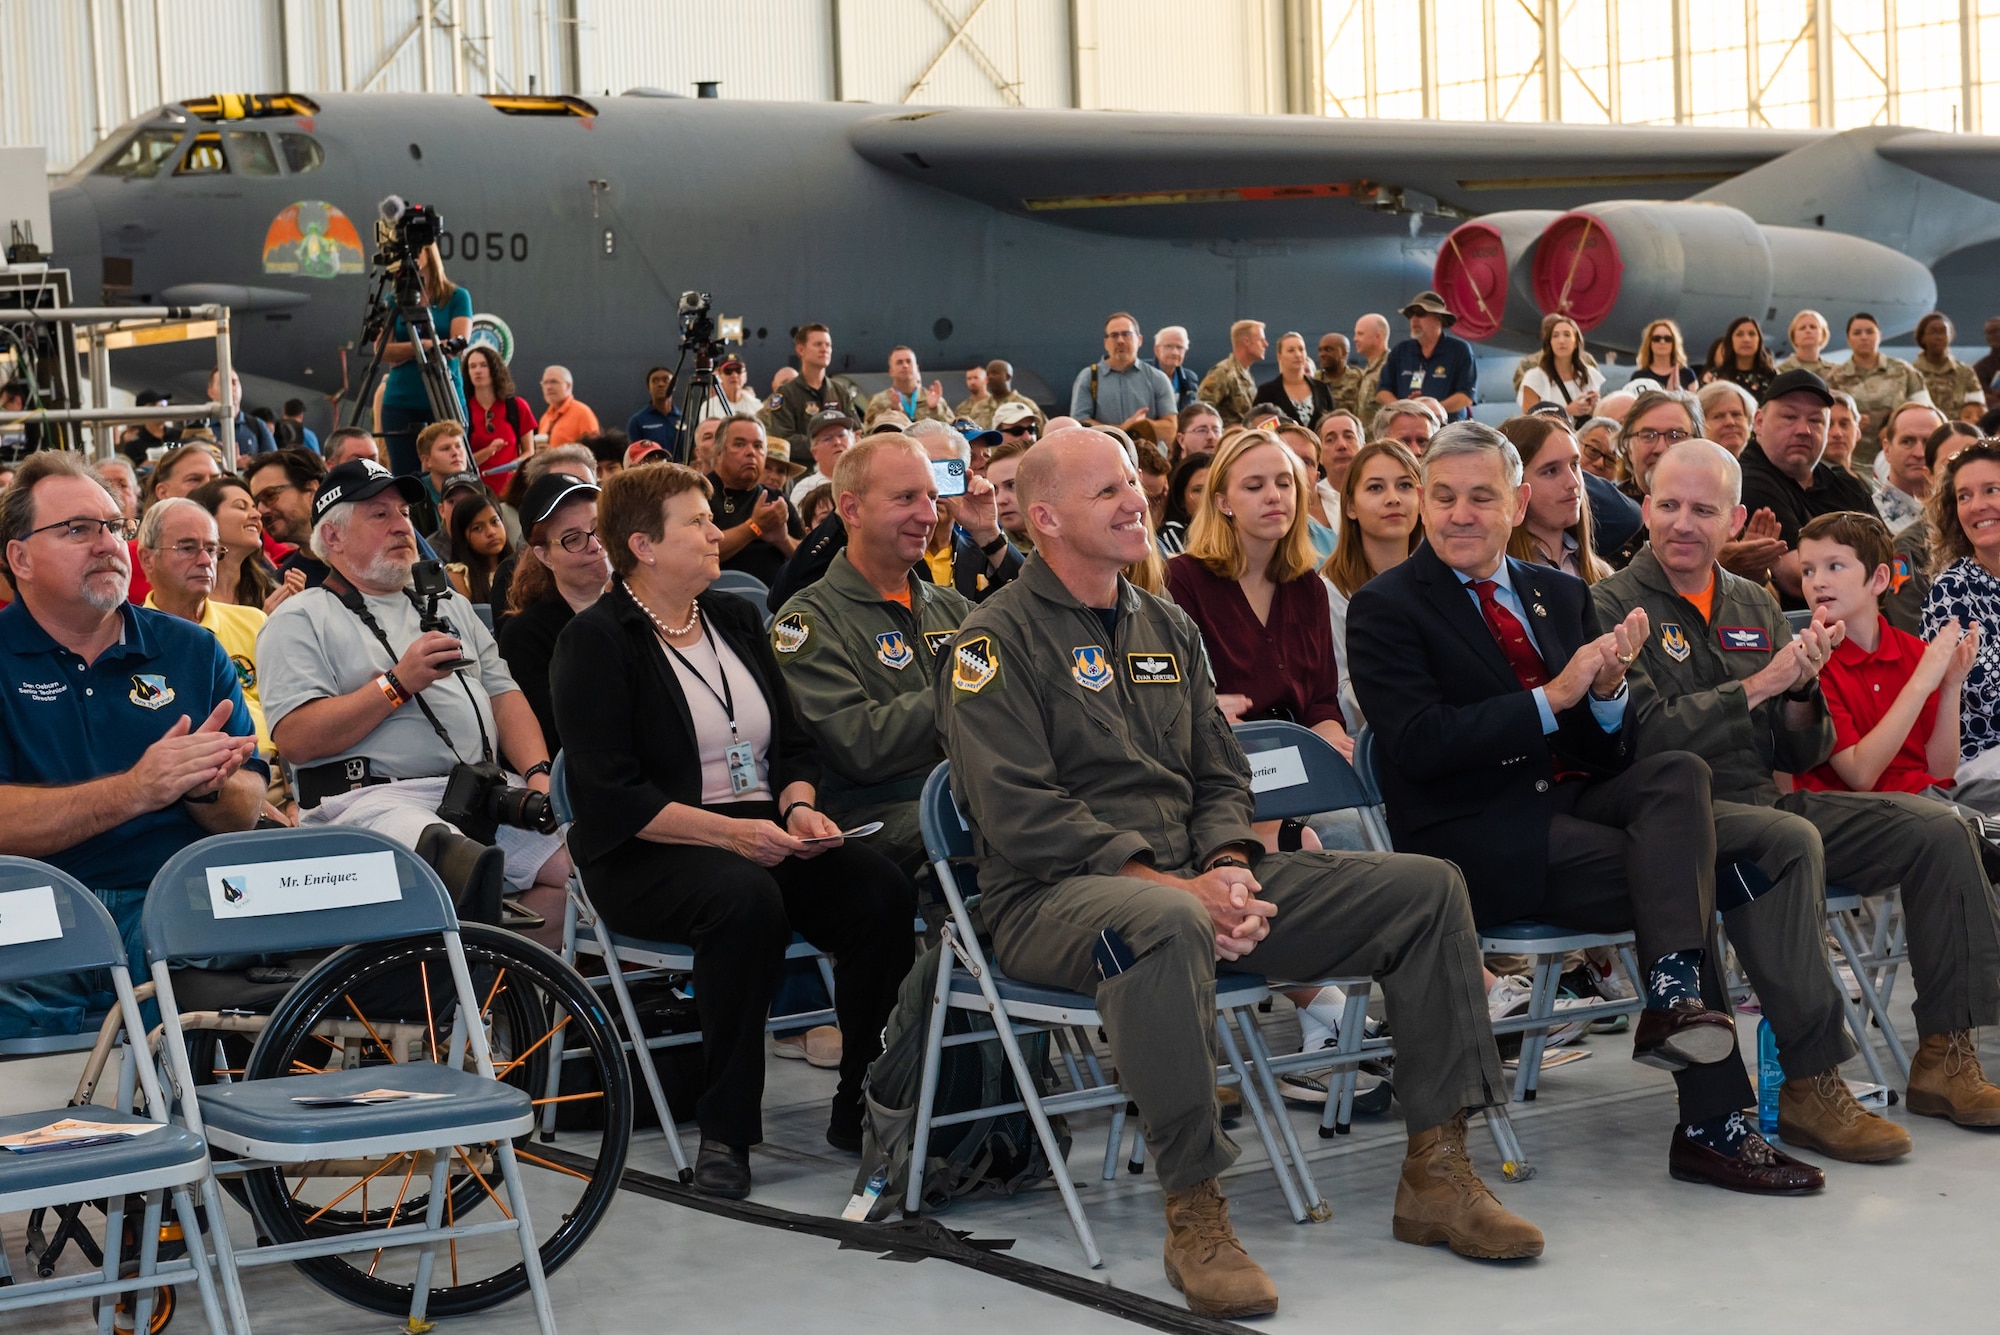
150 691
1090 668
974 665
936 640
789 632
1744 639
1147 669
775 402
1674 642
893 651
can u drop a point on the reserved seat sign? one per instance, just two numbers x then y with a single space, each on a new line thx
1272 770
29 915
304 885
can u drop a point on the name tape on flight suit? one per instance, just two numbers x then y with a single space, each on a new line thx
1744 639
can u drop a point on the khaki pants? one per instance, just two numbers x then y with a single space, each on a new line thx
1401 919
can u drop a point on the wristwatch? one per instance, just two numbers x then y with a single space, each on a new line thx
1228 860
995 547
539 767
1618 694
204 799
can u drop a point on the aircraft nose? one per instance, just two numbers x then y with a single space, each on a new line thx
77 244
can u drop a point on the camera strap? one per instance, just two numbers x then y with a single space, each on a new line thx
350 598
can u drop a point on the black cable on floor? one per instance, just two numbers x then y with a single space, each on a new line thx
918 1240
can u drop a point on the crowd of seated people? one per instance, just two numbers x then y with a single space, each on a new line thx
1567 635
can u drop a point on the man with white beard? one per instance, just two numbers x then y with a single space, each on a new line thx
123 732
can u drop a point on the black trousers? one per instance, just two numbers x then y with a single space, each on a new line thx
739 917
1636 853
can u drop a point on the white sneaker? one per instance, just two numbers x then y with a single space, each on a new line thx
1509 997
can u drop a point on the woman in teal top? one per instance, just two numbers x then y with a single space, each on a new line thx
406 409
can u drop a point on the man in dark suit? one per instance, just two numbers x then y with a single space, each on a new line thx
1500 702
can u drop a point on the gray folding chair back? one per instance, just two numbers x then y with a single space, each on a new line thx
1799 619
50 924
747 586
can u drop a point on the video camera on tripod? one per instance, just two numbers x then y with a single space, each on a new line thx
403 232
704 336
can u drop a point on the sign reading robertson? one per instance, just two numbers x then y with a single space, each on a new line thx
29 915
306 885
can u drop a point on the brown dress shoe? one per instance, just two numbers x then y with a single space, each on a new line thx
1946 1081
1757 1168
1206 1262
1441 1199
1819 1113
1681 1035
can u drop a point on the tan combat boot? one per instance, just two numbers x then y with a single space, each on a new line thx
1946 1081
1441 1199
1819 1113
1207 1263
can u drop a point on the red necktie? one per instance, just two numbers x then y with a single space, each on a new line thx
1512 635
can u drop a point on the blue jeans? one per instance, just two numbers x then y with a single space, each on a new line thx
76 1003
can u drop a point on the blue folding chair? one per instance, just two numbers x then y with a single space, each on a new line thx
50 924
283 892
650 959
968 980
747 586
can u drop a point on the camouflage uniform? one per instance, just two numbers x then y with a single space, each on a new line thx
889 401
1875 392
1229 389
1346 389
1952 385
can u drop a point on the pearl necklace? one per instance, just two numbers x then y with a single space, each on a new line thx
666 631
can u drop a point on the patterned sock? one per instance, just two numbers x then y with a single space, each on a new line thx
1674 975
1725 1134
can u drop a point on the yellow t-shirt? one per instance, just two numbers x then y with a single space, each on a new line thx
237 628
940 564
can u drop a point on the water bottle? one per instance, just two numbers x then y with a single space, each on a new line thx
1770 1079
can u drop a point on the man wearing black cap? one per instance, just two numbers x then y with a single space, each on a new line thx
1430 363
1782 470
375 710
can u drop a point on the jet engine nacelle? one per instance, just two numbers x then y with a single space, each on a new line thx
1614 266
1483 274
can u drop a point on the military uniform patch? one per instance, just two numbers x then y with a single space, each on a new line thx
789 632
1090 667
1147 669
974 665
246 671
150 691
1674 642
1744 639
936 640
893 651
775 402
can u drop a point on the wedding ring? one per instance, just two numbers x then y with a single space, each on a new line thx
1629 659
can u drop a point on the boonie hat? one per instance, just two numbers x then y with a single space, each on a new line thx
357 480
1800 381
550 492
1428 302
777 447
889 420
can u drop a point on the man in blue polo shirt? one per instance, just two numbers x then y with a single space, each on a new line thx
1120 390
659 421
123 733
1431 363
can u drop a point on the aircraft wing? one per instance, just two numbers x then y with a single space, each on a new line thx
1292 176
1967 161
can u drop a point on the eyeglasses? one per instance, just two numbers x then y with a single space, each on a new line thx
188 549
1672 436
270 495
1017 430
1663 338
1120 334
579 542
87 530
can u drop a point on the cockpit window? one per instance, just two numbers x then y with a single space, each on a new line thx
251 152
302 152
142 154
204 157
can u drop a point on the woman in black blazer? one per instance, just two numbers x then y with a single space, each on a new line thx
1295 391
694 787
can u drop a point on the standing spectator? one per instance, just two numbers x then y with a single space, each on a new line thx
793 403
244 576
907 394
977 403
831 433
1000 388
1727 408
1341 376
1901 500
502 423
1170 350
568 418
732 380
120 480
758 528
659 421
1430 362
1877 381
1740 357
562 570
442 454
1371 349
1228 384
406 407
478 546
1563 372
1295 392
293 429
1554 527
1378 530
1987 368
1663 357
282 486
180 550
253 434
1184 492
1953 386
1808 334
1119 389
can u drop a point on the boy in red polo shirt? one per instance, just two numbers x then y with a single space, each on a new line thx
1893 698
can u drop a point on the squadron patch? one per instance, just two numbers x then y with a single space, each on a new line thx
974 664
246 671
1090 667
775 402
893 651
150 691
1147 669
1674 642
936 640
789 632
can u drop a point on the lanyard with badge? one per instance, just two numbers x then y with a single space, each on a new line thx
741 757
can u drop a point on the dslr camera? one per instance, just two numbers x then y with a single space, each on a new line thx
479 800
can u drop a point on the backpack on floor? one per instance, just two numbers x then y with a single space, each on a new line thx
999 1155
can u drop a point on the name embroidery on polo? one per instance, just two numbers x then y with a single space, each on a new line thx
42 690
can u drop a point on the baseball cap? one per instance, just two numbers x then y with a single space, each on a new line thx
550 491
829 417
728 364
462 482
1800 381
1428 302
357 480
976 435
887 421
1007 414
641 450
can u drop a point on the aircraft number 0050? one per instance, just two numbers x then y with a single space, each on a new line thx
492 246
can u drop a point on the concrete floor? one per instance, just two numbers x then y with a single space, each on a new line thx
1898 1247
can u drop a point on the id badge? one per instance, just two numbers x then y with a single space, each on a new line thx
742 761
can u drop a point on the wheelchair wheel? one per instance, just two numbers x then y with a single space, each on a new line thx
374 1004
125 1307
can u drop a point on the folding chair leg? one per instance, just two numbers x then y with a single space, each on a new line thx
420 1293
204 1282
648 1072
1533 1041
913 1197
1844 937
531 1251
1337 1119
1137 1163
1317 1210
1255 1103
225 1255
1514 1165
149 1262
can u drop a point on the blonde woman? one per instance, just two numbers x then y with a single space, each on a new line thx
1808 333
1379 528
1663 357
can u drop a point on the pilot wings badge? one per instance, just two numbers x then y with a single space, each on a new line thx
893 651
974 665
1090 667
1674 642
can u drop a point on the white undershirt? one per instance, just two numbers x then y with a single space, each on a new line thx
702 687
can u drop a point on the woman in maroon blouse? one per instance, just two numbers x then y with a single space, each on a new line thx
1249 579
